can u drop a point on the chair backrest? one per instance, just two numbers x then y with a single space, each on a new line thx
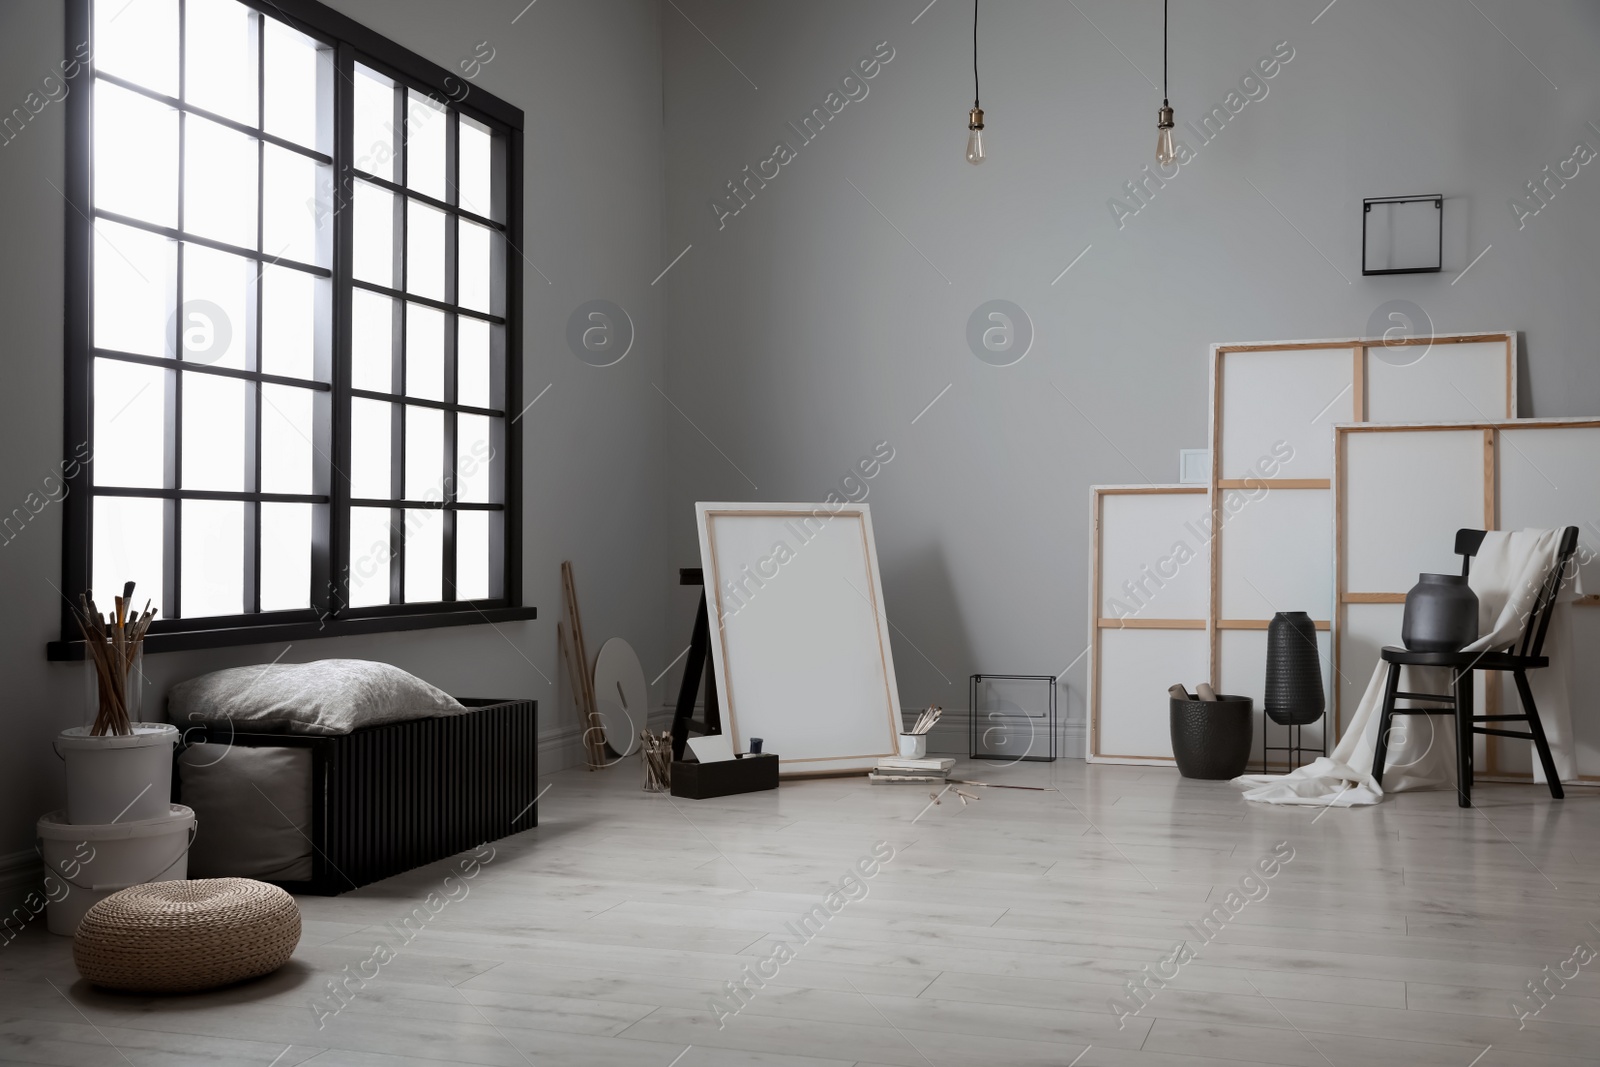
1467 544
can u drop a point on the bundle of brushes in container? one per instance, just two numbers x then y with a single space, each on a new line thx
913 764
114 643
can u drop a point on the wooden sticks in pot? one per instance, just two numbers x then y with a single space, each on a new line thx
113 643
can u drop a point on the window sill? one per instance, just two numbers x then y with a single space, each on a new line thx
183 641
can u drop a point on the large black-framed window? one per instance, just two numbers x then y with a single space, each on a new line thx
292 326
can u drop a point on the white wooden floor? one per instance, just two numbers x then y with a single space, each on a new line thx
997 935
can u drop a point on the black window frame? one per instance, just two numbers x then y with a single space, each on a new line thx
329 614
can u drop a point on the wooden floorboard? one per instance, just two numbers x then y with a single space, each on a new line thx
1001 933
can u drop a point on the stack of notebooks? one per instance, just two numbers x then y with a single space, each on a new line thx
896 769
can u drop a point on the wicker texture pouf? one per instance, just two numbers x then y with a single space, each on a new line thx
182 937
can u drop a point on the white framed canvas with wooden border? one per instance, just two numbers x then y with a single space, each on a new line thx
1401 492
1149 569
800 637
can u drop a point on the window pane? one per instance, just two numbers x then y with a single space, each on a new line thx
286 436
219 51
474 458
424 250
214 327
372 340
472 362
138 40
472 555
475 149
294 65
213 432
128 538
289 321
424 352
285 556
369 557
135 276
374 123
219 183
291 212
212 567
130 403
424 454
374 234
136 155
424 555
369 449
425 126
475 267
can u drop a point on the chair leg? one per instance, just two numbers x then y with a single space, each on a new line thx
1464 738
1536 728
1380 751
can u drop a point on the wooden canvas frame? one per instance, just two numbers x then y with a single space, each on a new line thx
865 708
1493 438
1100 624
1362 354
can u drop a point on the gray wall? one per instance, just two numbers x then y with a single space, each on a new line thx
588 77
808 328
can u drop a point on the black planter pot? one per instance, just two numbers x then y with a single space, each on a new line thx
1441 614
1293 695
1212 738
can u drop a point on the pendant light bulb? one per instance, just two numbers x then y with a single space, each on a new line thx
1165 156
975 150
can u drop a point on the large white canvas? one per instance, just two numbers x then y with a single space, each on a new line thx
800 639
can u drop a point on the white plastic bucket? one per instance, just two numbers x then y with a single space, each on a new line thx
84 864
118 779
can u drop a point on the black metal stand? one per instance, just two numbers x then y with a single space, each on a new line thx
699 660
1297 759
995 732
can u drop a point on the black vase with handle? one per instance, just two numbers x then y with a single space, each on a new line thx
1441 614
1294 695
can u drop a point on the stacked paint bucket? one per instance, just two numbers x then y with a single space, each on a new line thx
119 827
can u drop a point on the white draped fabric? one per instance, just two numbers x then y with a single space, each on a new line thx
1506 575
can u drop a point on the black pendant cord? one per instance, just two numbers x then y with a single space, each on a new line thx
974 53
1164 99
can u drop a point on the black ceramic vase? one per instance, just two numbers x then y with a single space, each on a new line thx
1441 614
1293 695
1212 738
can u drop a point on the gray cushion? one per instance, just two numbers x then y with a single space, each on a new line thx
330 696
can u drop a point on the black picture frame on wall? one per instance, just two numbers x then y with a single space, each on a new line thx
328 613
1404 226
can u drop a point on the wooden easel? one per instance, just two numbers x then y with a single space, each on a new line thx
699 660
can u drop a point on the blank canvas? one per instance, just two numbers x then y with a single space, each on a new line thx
800 639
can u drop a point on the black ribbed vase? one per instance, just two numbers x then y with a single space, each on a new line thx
1293 694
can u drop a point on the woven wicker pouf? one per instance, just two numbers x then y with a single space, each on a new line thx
182 937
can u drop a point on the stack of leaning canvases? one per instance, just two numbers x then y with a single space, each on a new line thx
1339 470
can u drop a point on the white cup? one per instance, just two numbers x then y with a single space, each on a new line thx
913 746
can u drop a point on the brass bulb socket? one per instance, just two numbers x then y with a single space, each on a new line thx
1164 118
975 119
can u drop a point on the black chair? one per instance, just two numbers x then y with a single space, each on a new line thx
1524 656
